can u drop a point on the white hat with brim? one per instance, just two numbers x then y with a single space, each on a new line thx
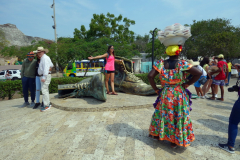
193 63
39 49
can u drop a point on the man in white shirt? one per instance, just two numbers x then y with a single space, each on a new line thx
45 76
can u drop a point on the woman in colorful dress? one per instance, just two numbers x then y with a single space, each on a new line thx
171 120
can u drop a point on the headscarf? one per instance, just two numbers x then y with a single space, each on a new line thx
173 50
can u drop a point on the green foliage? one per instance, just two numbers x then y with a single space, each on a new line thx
159 48
140 43
8 88
211 38
144 77
115 28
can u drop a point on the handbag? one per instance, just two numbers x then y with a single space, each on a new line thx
202 80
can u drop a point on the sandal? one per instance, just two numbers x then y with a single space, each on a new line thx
114 93
109 92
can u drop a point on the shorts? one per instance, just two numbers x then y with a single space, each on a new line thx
106 71
218 82
198 84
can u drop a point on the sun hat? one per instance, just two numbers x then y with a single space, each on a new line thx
220 56
39 49
30 54
196 63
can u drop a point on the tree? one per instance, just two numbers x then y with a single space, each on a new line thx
140 43
159 48
211 38
107 26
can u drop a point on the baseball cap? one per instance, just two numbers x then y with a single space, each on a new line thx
30 54
220 56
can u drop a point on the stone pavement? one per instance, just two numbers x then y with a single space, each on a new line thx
57 134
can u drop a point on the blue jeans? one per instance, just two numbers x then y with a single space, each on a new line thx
28 83
38 88
229 76
234 120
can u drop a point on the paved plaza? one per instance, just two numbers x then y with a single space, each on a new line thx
27 134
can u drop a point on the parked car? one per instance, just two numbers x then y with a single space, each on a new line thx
15 74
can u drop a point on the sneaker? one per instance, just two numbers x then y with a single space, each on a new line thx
36 105
202 97
226 148
206 96
25 104
32 104
215 95
44 108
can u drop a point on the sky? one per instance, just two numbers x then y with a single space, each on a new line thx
33 17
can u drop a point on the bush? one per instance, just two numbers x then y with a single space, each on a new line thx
8 88
144 77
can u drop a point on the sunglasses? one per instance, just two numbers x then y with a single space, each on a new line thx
30 56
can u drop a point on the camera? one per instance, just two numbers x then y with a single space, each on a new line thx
234 88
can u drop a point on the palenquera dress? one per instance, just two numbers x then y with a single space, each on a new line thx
171 120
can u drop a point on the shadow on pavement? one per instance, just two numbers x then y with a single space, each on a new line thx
142 135
220 117
214 125
219 106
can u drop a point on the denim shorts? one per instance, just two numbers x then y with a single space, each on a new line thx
218 82
198 84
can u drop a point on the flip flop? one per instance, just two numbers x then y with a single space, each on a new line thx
114 93
109 92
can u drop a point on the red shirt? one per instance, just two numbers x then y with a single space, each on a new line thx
224 67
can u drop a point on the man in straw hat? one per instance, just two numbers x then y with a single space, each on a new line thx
45 76
28 78
221 78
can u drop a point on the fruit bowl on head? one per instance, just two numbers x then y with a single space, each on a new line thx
173 40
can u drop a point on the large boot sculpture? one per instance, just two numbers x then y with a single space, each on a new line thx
89 87
127 82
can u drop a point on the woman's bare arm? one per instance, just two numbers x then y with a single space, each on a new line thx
98 57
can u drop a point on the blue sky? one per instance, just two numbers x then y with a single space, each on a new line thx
33 17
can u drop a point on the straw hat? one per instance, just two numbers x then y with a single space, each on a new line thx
196 63
39 49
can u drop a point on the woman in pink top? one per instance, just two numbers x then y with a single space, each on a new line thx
109 67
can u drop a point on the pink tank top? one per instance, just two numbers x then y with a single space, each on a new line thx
110 64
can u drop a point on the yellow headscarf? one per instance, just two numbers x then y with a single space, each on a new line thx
173 50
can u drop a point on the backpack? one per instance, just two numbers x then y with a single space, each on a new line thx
105 59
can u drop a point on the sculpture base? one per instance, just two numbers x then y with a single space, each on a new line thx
122 101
